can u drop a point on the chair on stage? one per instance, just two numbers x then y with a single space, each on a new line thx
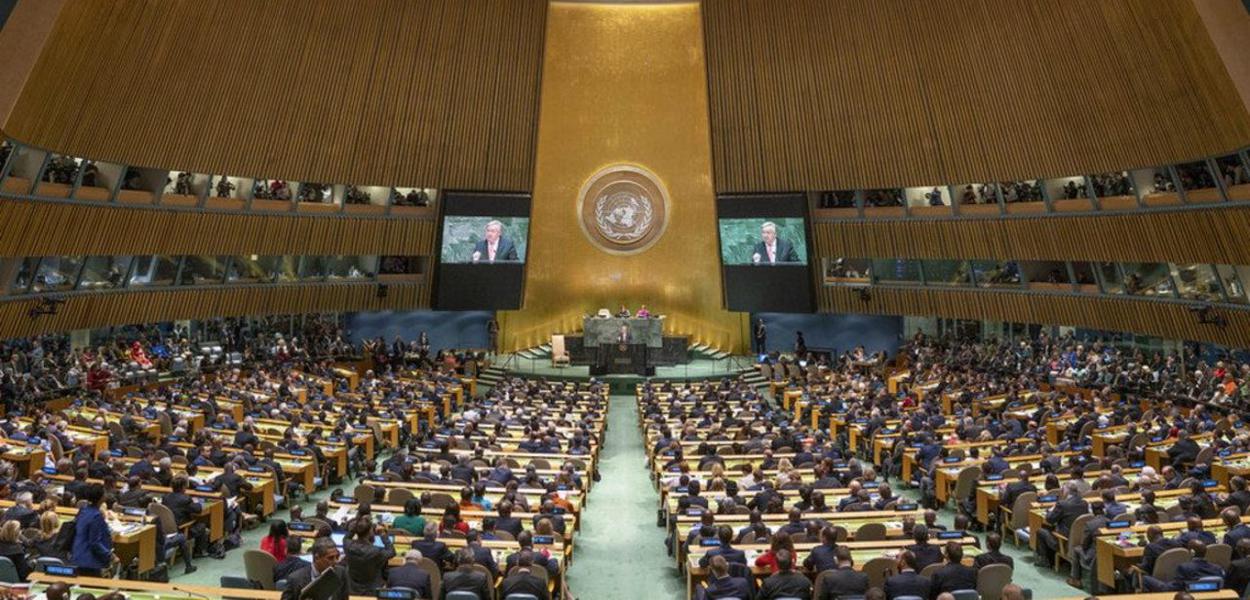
559 354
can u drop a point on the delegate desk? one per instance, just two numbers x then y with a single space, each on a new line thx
150 590
1123 547
1132 500
134 535
25 458
861 553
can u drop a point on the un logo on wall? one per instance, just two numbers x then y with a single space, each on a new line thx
623 209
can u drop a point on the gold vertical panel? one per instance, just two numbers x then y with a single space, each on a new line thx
623 84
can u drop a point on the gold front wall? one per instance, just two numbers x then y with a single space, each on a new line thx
624 84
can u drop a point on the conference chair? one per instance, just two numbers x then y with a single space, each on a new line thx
877 570
8 571
931 569
398 496
870 532
966 595
490 579
1165 565
559 353
525 597
431 568
1220 554
818 588
1075 539
259 566
991 579
1017 527
462 595
363 493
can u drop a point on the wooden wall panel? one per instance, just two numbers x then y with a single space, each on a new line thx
439 93
1211 234
819 95
1169 320
149 306
33 228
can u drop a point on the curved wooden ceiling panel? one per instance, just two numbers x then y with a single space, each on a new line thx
437 93
824 95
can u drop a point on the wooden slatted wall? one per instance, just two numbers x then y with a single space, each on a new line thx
438 93
1209 235
60 229
1168 320
845 94
132 307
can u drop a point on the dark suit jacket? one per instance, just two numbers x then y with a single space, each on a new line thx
907 583
785 252
505 251
1013 491
183 506
952 577
289 565
303 577
730 553
843 582
988 558
365 563
1065 512
435 551
728 587
27 517
785 585
1196 569
926 554
410 576
469 581
1238 575
525 583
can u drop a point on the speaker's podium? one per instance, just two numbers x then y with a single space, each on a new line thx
622 358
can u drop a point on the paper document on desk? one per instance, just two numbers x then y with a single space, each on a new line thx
340 515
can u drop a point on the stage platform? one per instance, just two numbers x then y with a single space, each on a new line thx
698 369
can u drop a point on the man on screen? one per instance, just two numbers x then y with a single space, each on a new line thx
771 250
494 247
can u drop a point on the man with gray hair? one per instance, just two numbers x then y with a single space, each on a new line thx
494 247
1060 518
410 575
23 511
771 249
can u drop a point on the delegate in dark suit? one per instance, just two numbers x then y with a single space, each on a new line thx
505 251
525 583
907 583
304 577
951 577
785 584
727 587
783 252
844 581
410 575
468 581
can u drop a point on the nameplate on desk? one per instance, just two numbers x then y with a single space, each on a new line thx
558 510
345 500
951 459
917 444
256 469
544 539
1047 498
205 488
563 488
905 507
1118 524
1137 464
34 441
219 425
300 526
61 570
134 512
299 452
334 439
694 511
49 470
682 490
950 535
1225 452
1202 586
870 484
708 543
388 594
994 477
1210 483
116 452
1157 439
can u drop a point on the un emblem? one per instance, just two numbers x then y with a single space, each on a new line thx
623 209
